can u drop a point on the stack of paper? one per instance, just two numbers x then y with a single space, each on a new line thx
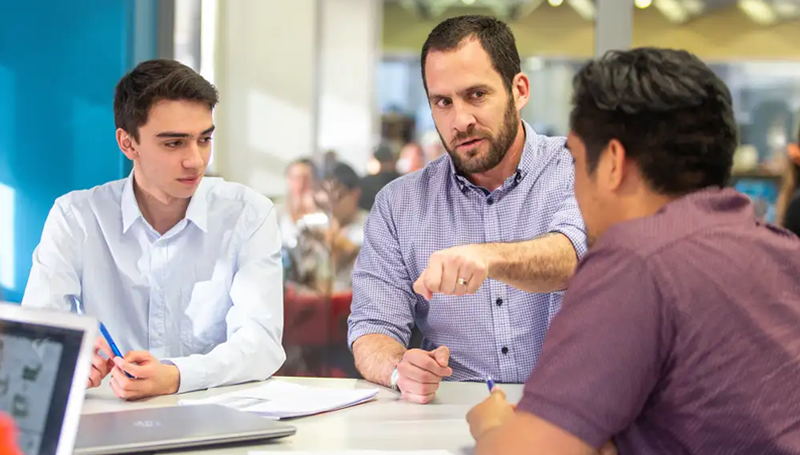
359 452
282 400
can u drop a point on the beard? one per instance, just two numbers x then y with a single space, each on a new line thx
498 146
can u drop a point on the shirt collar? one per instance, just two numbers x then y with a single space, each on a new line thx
197 212
527 162
130 208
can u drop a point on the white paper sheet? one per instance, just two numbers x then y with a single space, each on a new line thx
281 400
358 452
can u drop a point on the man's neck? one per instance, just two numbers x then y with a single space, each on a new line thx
646 203
163 212
495 177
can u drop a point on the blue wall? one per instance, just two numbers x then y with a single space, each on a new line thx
59 64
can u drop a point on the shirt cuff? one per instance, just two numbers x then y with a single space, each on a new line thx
382 329
192 373
576 236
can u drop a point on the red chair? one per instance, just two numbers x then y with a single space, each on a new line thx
315 334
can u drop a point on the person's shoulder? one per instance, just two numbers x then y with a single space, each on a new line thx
81 200
223 193
413 188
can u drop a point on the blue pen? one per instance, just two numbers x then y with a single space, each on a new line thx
113 345
490 383
77 306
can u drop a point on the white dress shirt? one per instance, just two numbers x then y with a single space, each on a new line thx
206 296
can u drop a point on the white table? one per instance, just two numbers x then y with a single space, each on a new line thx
386 423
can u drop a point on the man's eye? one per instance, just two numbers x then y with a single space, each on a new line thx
174 144
443 103
478 94
205 140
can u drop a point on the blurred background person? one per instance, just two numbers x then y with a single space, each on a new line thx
385 163
411 159
432 145
301 178
338 197
329 160
789 199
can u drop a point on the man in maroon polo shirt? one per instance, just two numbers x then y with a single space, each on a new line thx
680 331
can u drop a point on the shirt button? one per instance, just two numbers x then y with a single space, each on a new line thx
490 201
499 302
504 350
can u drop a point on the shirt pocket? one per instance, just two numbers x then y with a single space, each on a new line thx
207 304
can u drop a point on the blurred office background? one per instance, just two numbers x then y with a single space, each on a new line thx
337 82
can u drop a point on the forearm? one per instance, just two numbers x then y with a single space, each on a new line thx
251 354
544 264
526 433
376 356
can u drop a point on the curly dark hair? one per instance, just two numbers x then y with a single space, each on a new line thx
669 110
494 35
152 81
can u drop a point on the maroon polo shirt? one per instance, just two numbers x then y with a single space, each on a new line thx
679 334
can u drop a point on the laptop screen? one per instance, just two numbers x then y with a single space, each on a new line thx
37 363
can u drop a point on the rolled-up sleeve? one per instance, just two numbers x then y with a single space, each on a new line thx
55 274
567 219
253 349
383 293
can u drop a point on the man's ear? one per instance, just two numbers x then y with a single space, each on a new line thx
616 154
521 90
127 144
793 151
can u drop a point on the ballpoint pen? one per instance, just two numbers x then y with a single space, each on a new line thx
113 346
114 349
490 383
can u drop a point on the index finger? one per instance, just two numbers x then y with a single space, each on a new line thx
425 362
498 393
421 289
433 275
138 372
100 344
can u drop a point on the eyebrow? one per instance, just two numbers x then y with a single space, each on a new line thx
172 134
471 89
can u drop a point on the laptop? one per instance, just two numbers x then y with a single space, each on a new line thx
45 358
176 427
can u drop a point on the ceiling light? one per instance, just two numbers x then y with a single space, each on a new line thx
643 3
555 2
672 10
468 2
786 9
759 11
693 7
584 8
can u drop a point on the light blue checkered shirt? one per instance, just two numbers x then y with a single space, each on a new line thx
434 209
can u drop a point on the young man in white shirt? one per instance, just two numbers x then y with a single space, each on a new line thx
184 271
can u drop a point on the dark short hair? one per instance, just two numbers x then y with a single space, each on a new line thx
495 38
343 174
672 114
384 154
153 81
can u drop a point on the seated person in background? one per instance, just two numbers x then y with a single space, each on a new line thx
432 147
344 233
680 331
412 158
301 181
789 200
184 271
372 184
473 248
